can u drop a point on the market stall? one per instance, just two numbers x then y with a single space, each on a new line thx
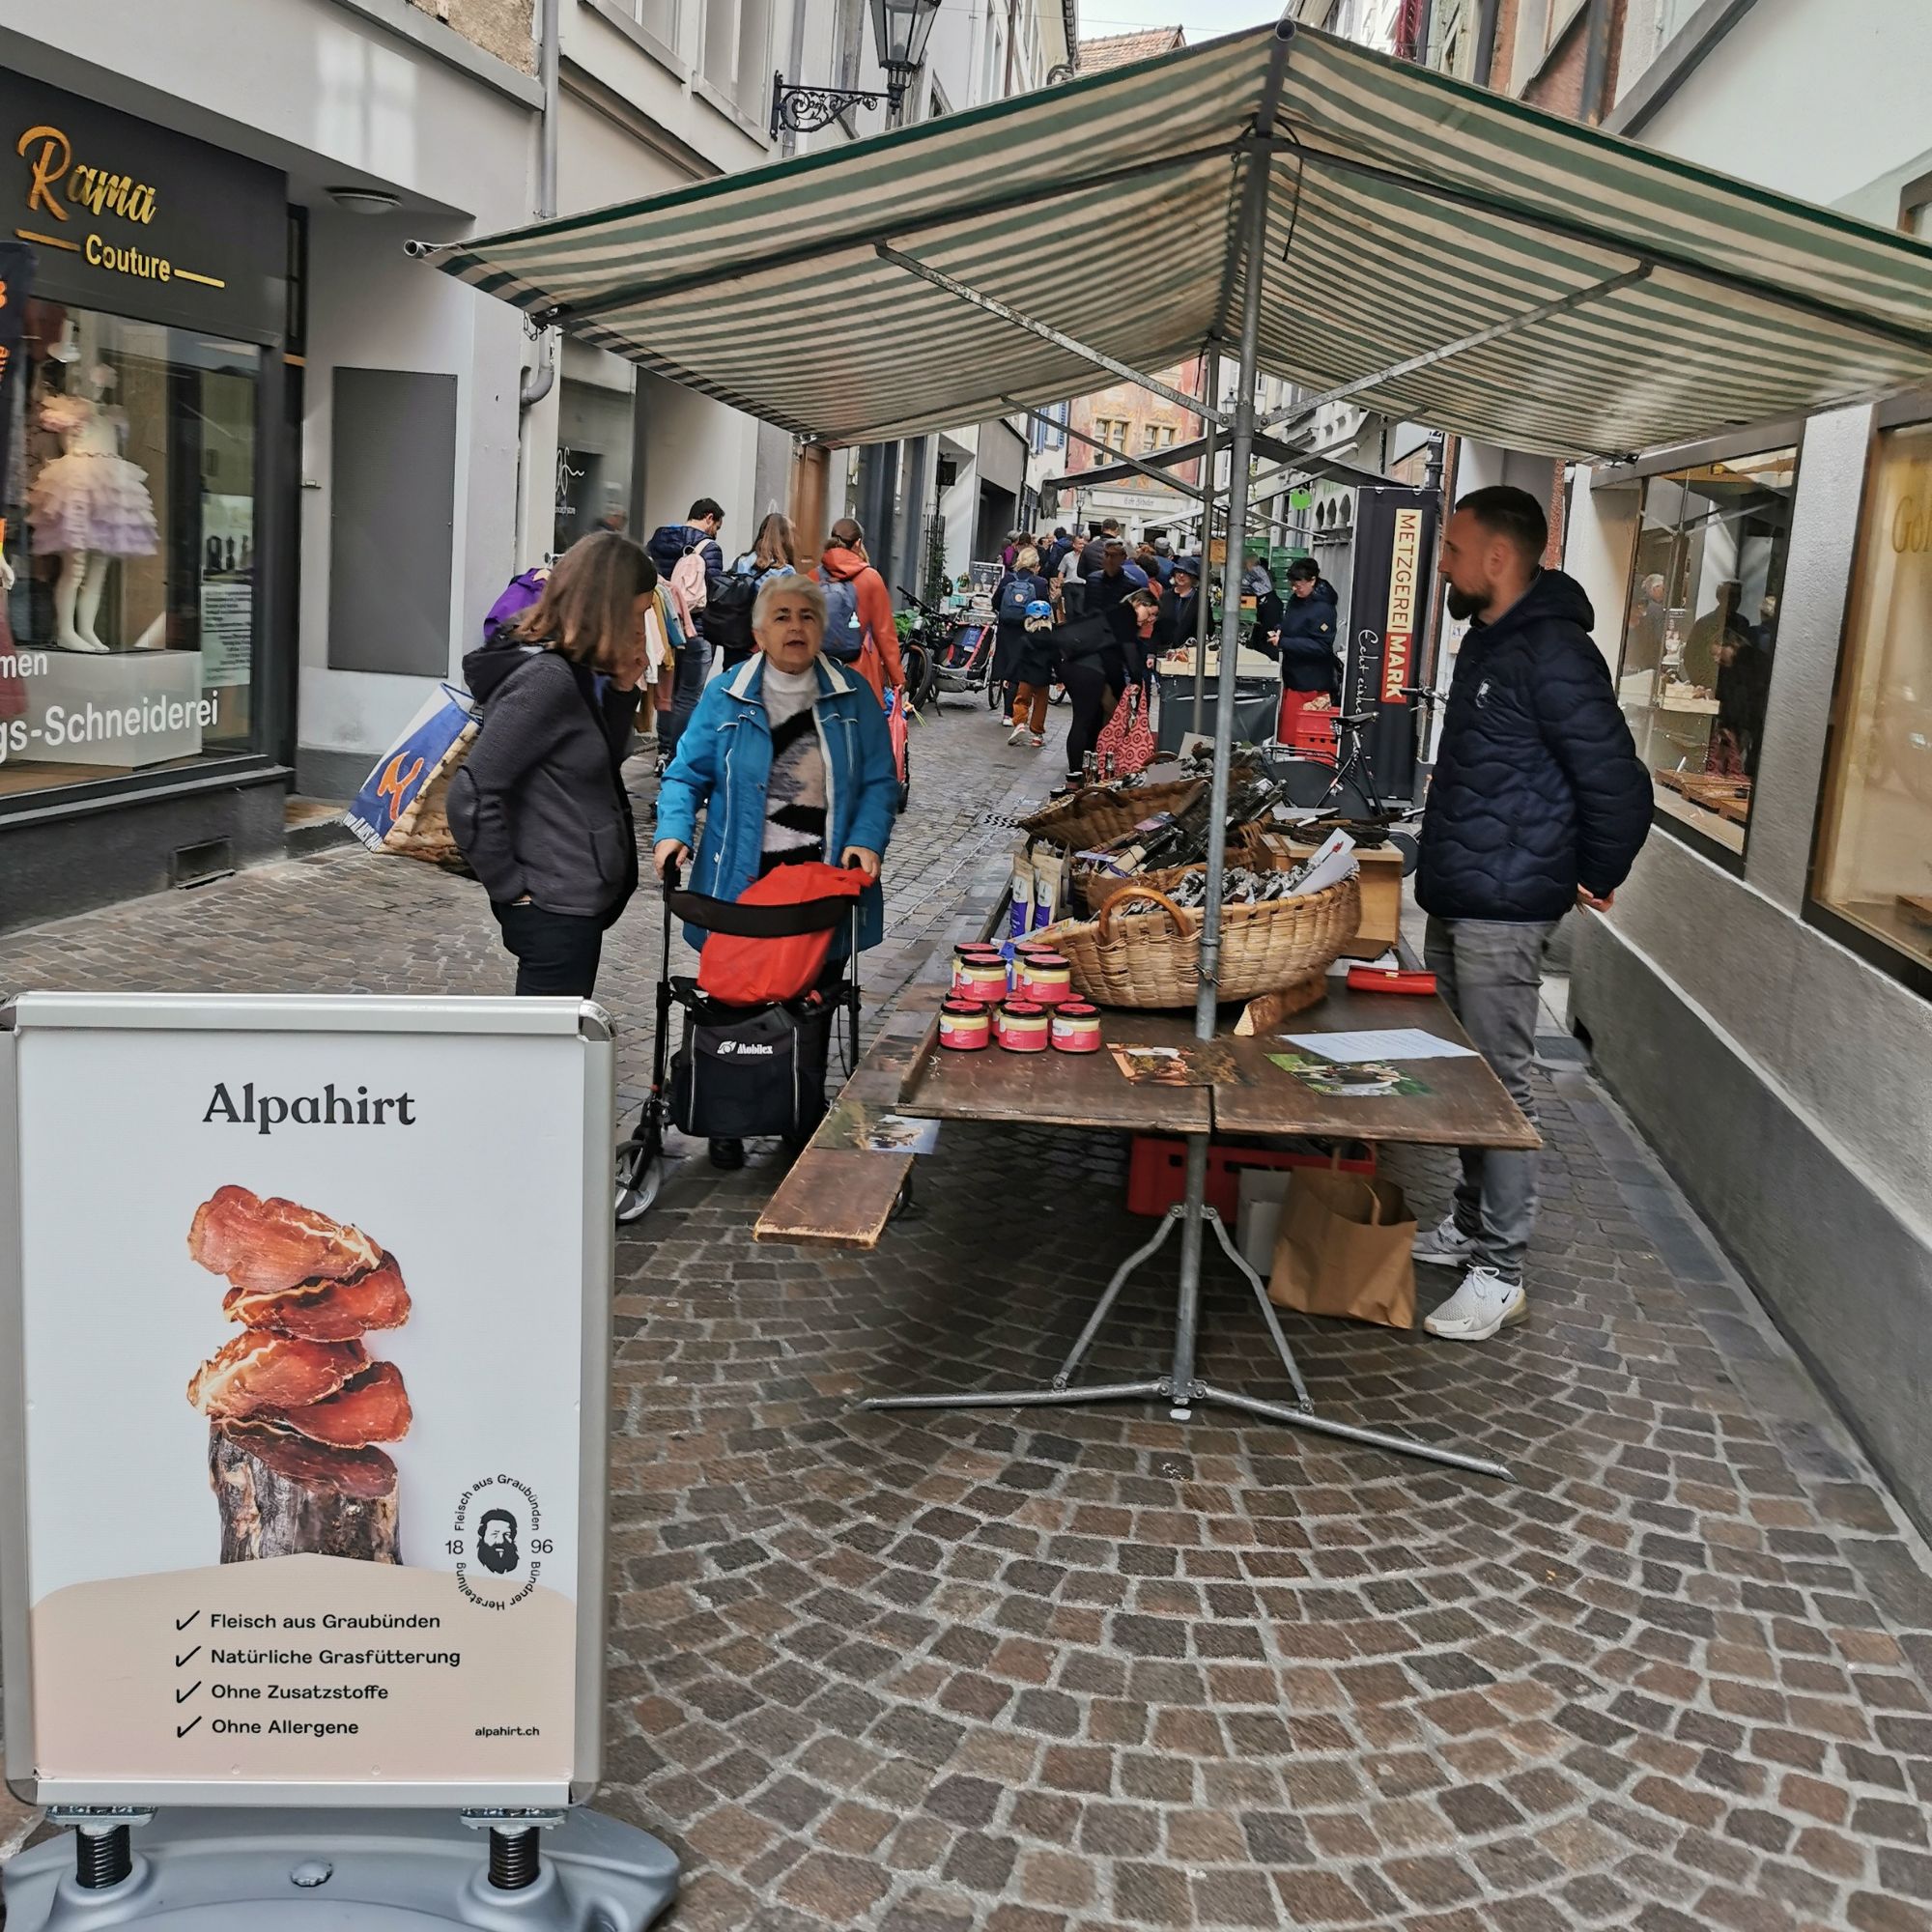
1382 234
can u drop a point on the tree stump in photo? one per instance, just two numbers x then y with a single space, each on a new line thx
282 1496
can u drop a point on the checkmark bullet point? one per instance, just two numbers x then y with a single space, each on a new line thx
182 1696
189 1659
181 1623
181 1730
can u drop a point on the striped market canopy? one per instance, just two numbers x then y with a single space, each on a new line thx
1407 213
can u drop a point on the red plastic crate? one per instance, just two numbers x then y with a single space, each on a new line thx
1157 1171
1300 729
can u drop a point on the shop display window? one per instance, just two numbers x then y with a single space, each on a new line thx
1701 632
126 637
1875 847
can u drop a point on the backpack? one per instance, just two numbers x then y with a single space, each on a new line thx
1014 599
728 616
844 634
520 595
687 577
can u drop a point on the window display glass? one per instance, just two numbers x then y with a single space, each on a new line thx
1701 632
126 637
1875 852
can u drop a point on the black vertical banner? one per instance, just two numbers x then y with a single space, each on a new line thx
16 284
1395 566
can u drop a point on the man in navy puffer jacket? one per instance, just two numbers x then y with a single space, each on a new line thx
1538 803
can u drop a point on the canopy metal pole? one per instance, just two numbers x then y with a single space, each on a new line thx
1127 372
1201 590
1181 1387
1147 470
1252 241
1310 405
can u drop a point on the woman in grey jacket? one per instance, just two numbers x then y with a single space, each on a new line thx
539 807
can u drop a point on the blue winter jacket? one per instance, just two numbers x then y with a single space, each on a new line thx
724 764
1537 788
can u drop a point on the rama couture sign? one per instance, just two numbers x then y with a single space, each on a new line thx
308 1422
138 221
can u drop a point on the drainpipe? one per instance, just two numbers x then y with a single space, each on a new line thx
540 380
1597 63
1485 42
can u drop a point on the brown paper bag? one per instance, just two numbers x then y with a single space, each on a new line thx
1346 1248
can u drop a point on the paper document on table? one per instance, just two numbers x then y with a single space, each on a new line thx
1383 1043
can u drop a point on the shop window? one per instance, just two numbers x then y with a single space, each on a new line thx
1875 846
1701 632
126 639
737 42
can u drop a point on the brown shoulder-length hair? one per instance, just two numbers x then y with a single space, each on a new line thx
588 608
777 542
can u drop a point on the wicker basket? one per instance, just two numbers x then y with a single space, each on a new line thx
1152 958
1100 813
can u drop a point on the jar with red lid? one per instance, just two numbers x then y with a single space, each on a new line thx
1023 1026
1049 980
980 980
1075 1027
965 1026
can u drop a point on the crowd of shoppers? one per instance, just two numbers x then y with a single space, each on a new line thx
1538 802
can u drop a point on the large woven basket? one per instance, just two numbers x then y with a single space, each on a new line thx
1152 958
1100 813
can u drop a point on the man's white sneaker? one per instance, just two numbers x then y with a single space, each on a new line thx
1484 1303
1447 1246
1015 736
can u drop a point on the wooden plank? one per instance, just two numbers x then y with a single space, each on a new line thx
837 1195
1065 1090
834 1197
1464 1105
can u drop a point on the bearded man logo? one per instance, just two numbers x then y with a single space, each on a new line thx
497 1541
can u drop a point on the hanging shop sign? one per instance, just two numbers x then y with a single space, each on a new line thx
1404 604
312 1422
1394 554
137 220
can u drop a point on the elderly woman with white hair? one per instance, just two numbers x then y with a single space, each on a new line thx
789 758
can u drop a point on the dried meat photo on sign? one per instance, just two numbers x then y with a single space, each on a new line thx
296 1406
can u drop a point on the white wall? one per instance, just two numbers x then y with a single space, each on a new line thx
1600 540
1813 97
371 307
309 86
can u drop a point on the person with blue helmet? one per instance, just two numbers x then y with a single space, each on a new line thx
1032 670
1021 583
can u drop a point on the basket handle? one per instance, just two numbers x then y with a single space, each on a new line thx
1162 899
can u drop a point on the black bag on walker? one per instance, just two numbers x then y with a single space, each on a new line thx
745 1071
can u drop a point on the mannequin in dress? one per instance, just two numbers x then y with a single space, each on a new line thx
88 505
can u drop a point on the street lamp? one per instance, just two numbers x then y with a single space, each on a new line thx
901 28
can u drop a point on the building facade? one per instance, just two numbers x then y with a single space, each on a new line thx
265 472
1133 421
1762 999
260 464
932 505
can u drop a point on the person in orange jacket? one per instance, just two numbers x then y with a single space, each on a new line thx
877 657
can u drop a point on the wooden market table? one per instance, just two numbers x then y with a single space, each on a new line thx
836 1195
1241 1089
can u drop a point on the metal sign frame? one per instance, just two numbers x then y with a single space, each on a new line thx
282 1015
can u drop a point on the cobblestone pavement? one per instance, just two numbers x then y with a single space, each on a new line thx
1085 1669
